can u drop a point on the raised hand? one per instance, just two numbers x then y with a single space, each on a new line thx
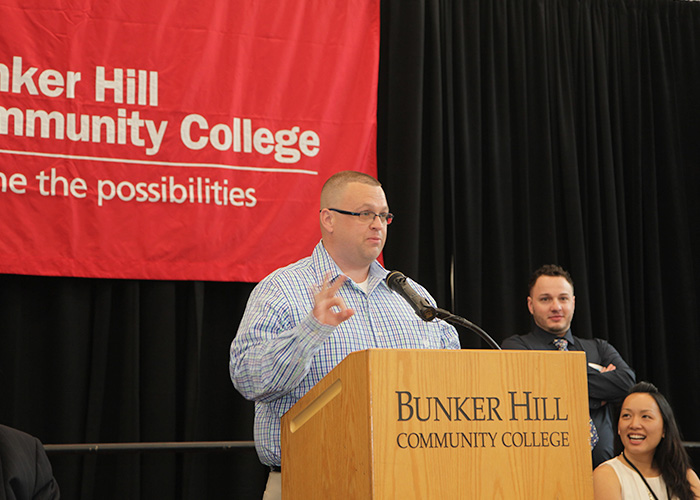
329 309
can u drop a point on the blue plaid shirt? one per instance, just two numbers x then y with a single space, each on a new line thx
281 350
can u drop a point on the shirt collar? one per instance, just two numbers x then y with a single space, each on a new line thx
324 264
548 338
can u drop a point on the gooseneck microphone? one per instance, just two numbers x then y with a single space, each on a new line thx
396 281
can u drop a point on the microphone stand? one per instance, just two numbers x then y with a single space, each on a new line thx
396 281
458 320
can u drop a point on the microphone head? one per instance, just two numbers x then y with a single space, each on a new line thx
395 279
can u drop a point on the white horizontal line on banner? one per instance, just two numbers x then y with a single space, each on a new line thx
161 163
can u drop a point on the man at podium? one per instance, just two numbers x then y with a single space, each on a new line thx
303 319
552 302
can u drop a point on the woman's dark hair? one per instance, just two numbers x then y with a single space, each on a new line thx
670 455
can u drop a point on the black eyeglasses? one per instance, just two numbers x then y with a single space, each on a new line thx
367 216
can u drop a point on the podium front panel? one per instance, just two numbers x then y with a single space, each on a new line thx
436 424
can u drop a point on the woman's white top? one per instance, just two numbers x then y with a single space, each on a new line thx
633 488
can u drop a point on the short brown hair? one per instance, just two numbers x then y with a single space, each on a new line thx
549 270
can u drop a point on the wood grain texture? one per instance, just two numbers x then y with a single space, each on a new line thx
431 424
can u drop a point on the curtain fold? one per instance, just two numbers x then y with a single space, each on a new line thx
102 361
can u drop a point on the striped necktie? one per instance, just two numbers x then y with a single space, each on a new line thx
563 345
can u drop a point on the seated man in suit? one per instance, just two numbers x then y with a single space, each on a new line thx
25 470
551 303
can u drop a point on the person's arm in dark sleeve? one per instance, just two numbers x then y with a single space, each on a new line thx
610 385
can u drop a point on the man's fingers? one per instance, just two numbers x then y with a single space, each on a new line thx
335 301
329 308
344 314
328 289
333 288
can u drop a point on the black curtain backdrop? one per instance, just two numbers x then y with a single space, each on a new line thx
510 134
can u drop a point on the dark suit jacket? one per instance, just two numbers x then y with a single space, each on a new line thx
25 470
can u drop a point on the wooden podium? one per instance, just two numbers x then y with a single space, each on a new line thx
440 424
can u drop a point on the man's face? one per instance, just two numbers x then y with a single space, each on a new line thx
354 243
551 303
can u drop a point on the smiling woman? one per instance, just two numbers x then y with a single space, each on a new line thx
653 462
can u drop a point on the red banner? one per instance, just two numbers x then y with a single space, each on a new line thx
171 140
